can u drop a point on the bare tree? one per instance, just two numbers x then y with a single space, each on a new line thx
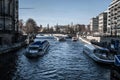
31 26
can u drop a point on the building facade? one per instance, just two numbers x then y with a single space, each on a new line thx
114 17
103 22
94 24
88 29
8 21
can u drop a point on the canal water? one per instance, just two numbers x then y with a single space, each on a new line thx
63 61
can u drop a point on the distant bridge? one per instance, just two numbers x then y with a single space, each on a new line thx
59 34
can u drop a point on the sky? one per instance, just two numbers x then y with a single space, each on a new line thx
61 12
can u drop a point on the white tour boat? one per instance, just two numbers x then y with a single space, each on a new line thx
98 54
37 48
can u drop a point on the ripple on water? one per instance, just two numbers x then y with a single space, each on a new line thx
64 61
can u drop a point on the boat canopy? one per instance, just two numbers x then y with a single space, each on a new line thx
37 43
96 48
101 48
44 41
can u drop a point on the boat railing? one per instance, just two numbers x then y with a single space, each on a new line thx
104 53
117 60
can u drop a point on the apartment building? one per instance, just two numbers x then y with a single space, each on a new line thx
8 21
94 24
114 17
102 22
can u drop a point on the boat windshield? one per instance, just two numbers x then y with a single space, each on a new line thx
33 48
40 49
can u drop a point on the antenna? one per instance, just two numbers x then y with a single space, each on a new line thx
26 8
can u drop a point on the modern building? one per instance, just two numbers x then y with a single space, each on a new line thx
8 21
114 17
102 22
94 24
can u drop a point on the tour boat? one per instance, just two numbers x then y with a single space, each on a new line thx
98 54
74 38
37 48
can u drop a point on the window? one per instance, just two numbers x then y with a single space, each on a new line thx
8 27
1 26
0 40
1 6
6 7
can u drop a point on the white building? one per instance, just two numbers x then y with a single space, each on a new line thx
114 17
103 22
94 24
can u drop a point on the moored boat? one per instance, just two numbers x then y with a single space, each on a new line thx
37 49
60 38
74 38
98 54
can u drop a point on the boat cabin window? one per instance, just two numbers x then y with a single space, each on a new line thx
40 49
33 48
101 51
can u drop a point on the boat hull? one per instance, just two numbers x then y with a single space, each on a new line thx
97 59
89 51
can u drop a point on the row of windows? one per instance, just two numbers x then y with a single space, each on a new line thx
7 27
8 10
6 7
